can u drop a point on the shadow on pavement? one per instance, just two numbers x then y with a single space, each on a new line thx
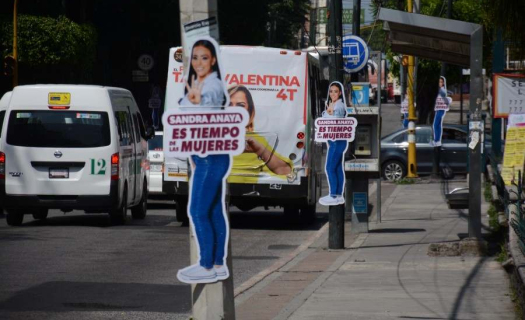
397 230
97 220
63 296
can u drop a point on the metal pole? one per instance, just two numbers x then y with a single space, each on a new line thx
378 181
215 300
412 166
356 31
15 44
336 229
449 16
498 65
476 95
461 97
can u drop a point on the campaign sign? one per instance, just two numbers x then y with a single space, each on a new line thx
404 106
205 132
335 129
441 104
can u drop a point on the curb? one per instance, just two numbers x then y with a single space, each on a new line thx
279 263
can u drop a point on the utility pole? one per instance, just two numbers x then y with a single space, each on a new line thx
449 16
356 31
336 230
15 45
214 300
412 166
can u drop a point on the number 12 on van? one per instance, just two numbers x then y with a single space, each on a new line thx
98 167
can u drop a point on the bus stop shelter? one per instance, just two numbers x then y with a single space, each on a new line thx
457 43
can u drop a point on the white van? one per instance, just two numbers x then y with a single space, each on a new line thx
4 102
73 147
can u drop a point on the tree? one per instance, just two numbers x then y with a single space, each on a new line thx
507 15
275 23
50 49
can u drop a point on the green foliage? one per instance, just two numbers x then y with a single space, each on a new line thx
508 15
487 192
503 254
493 219
45 43
288 18
406 181
247 22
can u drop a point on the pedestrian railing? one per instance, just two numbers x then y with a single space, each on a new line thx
511 198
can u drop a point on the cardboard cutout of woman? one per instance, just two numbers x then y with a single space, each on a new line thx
441 107
206 90
335 108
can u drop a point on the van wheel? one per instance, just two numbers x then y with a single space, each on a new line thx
181 210
40 214
14 217
118 216
139 211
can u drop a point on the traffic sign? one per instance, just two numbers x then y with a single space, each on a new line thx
355 53
145 62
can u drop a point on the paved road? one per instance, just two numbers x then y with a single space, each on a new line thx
77 266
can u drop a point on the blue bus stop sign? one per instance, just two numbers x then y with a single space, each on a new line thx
355 53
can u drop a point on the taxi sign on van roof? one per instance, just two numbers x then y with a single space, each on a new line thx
59 98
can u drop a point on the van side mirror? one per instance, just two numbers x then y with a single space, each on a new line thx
150 133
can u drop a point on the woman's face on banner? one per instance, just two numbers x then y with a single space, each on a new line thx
335 93
238 99
202 61
441 82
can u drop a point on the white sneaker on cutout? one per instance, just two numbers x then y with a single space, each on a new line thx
222 272
329 201
197 274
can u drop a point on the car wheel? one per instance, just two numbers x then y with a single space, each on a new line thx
181 210
394 170
40 214
118 216
140 210
14 217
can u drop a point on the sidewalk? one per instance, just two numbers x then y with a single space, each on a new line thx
387 274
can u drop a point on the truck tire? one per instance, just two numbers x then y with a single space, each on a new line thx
14 217
40 214
139 211
299 213
181 210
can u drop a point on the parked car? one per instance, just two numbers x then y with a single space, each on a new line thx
156 160
454 151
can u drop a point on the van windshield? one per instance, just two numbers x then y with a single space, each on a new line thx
58 129
2 115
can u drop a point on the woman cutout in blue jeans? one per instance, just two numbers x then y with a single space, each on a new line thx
204 88
336 148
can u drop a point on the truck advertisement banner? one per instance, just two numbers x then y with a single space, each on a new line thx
271 85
